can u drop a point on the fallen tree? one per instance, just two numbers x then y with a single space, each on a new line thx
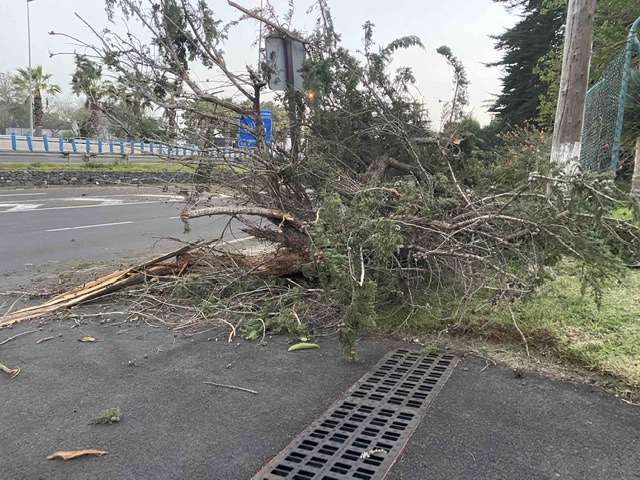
365 214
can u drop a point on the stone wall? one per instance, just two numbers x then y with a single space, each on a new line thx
36 178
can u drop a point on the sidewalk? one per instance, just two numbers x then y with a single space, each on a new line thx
485 424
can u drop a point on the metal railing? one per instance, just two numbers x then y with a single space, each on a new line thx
88 146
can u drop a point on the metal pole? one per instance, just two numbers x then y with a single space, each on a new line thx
291 92
260 39
30 76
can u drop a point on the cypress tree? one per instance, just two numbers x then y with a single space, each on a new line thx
538 33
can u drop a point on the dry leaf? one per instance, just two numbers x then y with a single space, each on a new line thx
71 454
87 338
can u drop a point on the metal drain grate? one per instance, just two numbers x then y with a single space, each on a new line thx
361 436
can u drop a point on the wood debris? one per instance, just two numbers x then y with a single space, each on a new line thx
12 372
71 454
112 282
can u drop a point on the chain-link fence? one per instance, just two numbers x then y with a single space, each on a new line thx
604 110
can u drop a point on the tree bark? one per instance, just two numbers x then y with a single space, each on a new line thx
270 213
94 119
576 61
376 170
38 113
635 179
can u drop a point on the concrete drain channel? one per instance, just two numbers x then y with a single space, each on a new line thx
361 436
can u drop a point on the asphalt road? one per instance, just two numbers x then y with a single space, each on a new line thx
485 424
59 225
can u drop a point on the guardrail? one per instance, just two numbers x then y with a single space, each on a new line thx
88 146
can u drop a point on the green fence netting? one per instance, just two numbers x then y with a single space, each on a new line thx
604 110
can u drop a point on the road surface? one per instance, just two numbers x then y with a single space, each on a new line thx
59 225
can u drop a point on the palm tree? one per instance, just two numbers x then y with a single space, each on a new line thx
87 81
41 85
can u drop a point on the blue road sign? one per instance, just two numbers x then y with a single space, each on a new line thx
246 138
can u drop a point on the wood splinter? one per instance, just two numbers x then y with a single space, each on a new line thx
12 372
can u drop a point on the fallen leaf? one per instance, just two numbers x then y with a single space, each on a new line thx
71 454
87 338
302 346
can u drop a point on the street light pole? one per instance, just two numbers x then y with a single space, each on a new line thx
30 75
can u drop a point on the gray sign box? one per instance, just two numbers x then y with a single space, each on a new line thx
275 51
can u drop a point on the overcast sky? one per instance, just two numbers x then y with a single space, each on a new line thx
464 25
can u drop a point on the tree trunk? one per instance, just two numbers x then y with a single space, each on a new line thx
93 125
38 113
635 179
576 60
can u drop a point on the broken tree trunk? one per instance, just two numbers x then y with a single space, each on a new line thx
377 169
102 286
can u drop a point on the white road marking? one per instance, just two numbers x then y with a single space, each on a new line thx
178 198
81 206
167 196
87 226
20 194
18 207
103 201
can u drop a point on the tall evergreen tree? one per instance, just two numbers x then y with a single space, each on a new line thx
524 45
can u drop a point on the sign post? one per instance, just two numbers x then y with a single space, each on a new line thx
246 134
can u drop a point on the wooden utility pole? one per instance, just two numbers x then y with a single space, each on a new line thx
576 60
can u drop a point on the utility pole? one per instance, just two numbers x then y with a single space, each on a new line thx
576 60
29 71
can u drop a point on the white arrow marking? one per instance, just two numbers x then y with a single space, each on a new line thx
19 207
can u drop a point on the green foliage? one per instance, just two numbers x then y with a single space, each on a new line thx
40 83
14 111
533 55
528 44
109 416
378 102
355 247
453 111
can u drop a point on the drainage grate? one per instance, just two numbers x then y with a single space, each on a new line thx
361 436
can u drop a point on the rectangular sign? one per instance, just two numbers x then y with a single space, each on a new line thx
246 137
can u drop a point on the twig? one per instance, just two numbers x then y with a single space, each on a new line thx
264 330
101 314
515 324
12 372
45 339
16 336
232 387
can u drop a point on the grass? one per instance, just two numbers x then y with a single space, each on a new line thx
560 316
96 167
559 321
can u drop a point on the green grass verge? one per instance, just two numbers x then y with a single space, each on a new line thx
558 320
96 167
606 339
